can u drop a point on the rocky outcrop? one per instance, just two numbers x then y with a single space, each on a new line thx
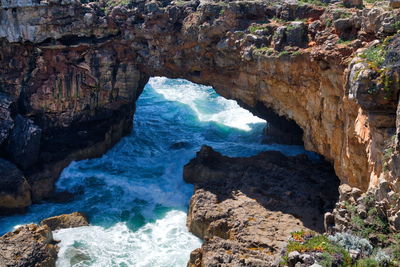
29 245
33 245
78 70
15 192
246 208
72 220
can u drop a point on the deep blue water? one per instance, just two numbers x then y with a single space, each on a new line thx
134 195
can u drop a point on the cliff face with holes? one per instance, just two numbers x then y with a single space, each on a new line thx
71 72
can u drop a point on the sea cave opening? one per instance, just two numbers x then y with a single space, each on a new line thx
134 194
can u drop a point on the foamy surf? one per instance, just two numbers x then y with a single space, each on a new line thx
164 242
205 103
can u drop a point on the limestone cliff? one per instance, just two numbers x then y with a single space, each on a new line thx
73 70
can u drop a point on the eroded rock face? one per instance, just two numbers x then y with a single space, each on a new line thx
246 208
77 72
29 245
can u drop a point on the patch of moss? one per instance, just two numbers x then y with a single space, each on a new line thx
265 50
254 28
109 4
284 53
313 2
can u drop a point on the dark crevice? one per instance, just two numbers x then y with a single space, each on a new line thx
279 129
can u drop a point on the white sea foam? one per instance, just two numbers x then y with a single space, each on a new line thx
207 108
165 242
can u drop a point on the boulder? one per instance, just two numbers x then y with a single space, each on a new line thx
296 34
14 189
24 143
29 245
75 219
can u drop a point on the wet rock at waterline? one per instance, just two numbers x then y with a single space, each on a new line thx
29 245
246 208
34 245
15 193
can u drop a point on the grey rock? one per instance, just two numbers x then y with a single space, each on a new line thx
395 221
296 34
307 259
329 221
279 38
293 258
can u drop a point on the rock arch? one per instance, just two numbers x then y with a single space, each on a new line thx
77 71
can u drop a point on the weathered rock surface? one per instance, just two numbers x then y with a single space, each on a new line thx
29 245
33 245
246 208
72 220
15 192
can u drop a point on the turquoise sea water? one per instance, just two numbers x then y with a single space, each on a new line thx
134 195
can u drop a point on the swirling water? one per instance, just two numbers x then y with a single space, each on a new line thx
134 195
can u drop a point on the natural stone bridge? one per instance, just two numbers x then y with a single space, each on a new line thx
75 71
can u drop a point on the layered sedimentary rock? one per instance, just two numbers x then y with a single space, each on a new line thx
246 208
75 70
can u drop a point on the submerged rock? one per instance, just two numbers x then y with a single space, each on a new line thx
72 220
246 208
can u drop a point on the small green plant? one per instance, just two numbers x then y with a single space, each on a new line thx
313 2
254 28
375 56
352 242
304 241
328 22
284 53
296 53
373 1
265 50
